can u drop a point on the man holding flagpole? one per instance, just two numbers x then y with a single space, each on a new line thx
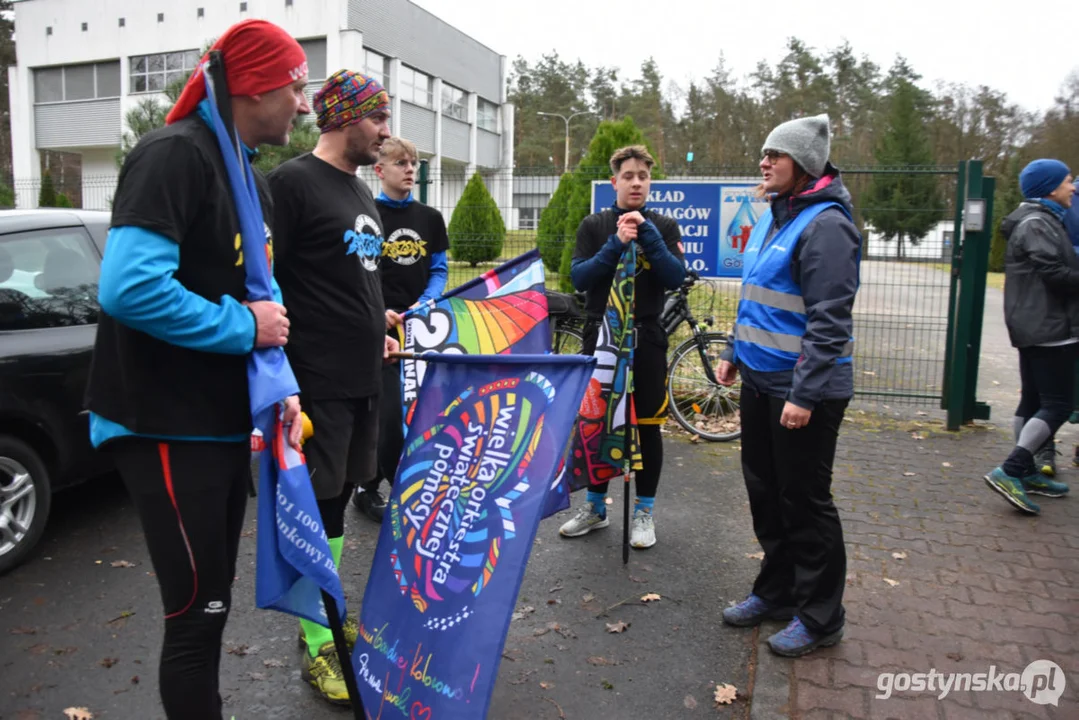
601 238
328 246
168 391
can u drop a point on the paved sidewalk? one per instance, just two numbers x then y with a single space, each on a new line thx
942 574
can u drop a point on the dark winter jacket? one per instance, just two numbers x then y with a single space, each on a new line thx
826 268
1041 278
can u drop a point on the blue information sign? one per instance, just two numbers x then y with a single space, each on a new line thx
715 218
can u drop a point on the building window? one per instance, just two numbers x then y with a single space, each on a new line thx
77 82
288 3
417 88
161 17
454 102
243 7
528 218
315 50
123 22
153 73
85 27
378 67
487 115
201 12
48 30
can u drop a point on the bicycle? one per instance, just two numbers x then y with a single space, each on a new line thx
697 401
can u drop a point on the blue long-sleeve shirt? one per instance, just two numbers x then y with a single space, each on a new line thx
138 287
586 273
436 281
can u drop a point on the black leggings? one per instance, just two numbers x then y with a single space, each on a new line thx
1048 379
191 498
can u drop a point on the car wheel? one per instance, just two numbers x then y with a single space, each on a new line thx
25 498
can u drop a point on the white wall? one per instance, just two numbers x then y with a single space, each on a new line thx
931 247
99 175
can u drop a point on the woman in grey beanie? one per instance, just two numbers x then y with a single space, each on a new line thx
793 345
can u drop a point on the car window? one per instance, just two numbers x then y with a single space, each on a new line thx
48 278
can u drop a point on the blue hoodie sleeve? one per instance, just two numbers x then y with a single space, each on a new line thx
436 283
138 287
670 270
586 273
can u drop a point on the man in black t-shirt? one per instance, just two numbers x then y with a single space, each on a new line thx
328 251
168 391
413 271
601 238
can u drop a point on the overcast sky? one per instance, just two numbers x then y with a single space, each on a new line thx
1005 44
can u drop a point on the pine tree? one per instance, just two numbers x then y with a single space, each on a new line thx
477 231
301 140
901 205
63 201
550 234
1006 199
609 137
7 196
47 196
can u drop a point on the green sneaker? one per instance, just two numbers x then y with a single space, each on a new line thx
1038 484
323 672
1012 490
351 626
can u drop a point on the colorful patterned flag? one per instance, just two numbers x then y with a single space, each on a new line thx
294 560
599 442
484 445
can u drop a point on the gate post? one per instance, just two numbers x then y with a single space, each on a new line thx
965 327
423 181
953 290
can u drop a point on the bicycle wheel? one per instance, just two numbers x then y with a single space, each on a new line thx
566 339
704 408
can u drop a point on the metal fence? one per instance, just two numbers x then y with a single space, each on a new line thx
900 317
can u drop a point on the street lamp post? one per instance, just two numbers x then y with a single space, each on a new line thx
566 120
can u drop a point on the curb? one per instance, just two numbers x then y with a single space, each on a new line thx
771 685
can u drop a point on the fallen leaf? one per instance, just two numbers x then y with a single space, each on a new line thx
891 582
617 627
756 555
122 564
256 676
96 562
633 578
694 438
23 631
589 597
599 661
109 662
650 597
954 656
996 382
899 555
909 474
725 694
273 663
555 589
945 464
540 631
134 679
78 713
917 436
546 685
923 413
607 685
690 702
870 373
243 650
554 601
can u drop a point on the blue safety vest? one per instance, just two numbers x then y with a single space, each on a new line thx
771 317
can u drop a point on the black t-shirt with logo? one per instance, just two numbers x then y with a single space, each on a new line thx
174 183
413 235
327 249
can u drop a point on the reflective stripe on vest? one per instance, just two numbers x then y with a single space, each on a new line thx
771 318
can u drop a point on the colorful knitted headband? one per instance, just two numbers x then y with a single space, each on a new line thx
347 98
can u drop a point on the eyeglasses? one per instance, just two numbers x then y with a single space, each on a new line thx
773 156
406 163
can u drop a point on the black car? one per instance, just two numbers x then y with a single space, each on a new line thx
49 266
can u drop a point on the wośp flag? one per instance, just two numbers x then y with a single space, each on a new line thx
486 440
599 442
293 554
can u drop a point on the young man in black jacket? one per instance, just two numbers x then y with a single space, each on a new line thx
601 238
1041 309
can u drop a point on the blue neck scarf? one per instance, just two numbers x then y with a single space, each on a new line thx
1052 206
387 200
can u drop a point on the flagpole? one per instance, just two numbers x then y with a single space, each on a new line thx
338 631
628 438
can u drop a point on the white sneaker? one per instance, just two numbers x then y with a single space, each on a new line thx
585 521
643 531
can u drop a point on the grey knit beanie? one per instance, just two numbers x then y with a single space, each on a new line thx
807 140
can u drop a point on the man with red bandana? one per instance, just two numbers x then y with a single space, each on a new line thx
168 393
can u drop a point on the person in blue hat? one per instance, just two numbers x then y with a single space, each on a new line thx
1041 310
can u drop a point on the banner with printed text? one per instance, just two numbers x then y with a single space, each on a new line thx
486 440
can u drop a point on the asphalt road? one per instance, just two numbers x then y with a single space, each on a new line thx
78 632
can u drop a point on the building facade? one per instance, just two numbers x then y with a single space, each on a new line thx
83 64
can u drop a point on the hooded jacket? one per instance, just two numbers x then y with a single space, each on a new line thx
1041 278
825 266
